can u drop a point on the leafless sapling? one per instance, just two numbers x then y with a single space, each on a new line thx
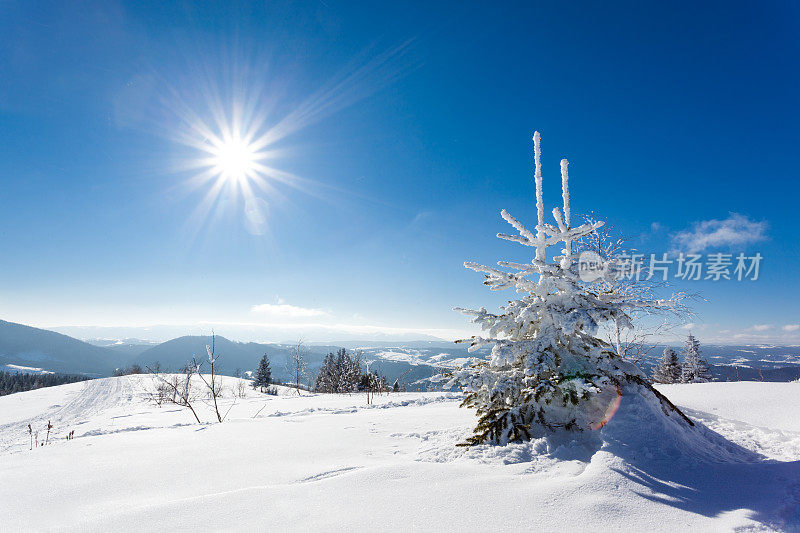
296 365
214 388
179 391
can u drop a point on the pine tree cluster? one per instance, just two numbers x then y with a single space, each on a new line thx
11 382
694 369
340 372
343 372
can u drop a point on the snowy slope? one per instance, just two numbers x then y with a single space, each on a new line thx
331 462
764 417
775 405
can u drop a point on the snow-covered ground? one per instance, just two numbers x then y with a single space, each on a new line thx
434 358
24 369
332 462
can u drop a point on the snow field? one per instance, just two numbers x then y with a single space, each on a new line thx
332 463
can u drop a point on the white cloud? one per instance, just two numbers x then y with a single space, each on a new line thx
735 230
762 327
791 327
287 311
750 337
694 326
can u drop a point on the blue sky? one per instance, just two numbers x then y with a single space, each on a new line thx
400 131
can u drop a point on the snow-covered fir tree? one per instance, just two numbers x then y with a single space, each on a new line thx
263 375
668 369
695 369
548 370
326 377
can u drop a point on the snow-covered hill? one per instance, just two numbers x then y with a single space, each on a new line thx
23 346
332 462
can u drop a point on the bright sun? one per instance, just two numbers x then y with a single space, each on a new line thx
234 159
233 162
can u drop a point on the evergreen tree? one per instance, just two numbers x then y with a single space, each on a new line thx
695 369
326 377
342 371
263 374
669 369
352 373
548 369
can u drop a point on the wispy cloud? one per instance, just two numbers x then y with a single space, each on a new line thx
422 219
762 327
691 326
735 230
283 310
791 327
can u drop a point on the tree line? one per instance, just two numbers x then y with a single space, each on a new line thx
11 382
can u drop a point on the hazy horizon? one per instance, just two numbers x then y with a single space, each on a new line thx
158 333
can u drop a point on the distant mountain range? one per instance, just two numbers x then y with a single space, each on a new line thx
24 348
129 347
40 348
232 355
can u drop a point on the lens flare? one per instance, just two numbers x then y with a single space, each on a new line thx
236 116
609 412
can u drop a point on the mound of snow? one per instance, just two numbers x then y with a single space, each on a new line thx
764 417
776 405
